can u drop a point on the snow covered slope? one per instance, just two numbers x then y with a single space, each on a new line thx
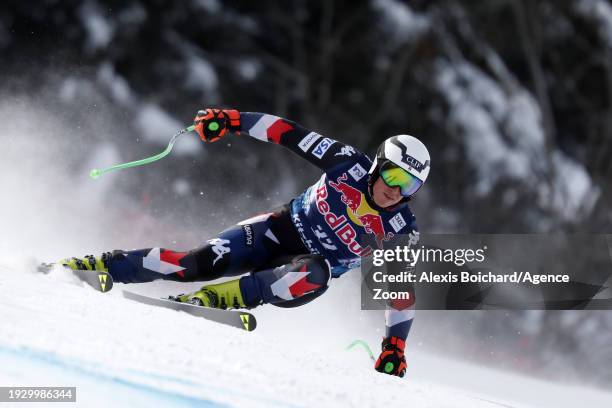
57 332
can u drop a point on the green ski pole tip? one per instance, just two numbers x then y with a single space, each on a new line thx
95 173
214 126
388 367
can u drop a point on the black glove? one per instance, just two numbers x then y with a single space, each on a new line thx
391 360
213 124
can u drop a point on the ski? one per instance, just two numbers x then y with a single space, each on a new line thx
236 318
99 280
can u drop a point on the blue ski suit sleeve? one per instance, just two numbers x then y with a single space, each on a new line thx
400 313
323 152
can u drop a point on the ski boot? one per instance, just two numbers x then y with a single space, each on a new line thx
90 269
87 263
219 296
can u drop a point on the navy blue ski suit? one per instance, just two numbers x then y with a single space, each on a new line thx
289 255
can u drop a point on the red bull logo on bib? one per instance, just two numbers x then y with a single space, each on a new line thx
358 211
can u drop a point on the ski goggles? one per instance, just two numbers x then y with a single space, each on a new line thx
395 176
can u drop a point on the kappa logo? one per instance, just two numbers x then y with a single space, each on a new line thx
322 147
346 151
397 222
307 142
219 248
357 172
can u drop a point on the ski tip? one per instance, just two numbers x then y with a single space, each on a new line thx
249 322
99 280
106 282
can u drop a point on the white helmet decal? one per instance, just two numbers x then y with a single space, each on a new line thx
409 153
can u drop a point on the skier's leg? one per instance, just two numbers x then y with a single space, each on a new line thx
291 284
295 282
249 245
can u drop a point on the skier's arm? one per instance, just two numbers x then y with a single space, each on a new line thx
321 151
398 319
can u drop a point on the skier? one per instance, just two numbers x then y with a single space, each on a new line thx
288 256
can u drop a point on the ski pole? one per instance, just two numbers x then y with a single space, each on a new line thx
364 345
388 366
95 173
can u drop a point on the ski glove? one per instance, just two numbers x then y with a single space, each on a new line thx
391 360
213 124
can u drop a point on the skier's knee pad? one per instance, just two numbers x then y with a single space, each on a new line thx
317 266
294 281
317 273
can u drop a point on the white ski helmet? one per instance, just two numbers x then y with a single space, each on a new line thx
406 152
